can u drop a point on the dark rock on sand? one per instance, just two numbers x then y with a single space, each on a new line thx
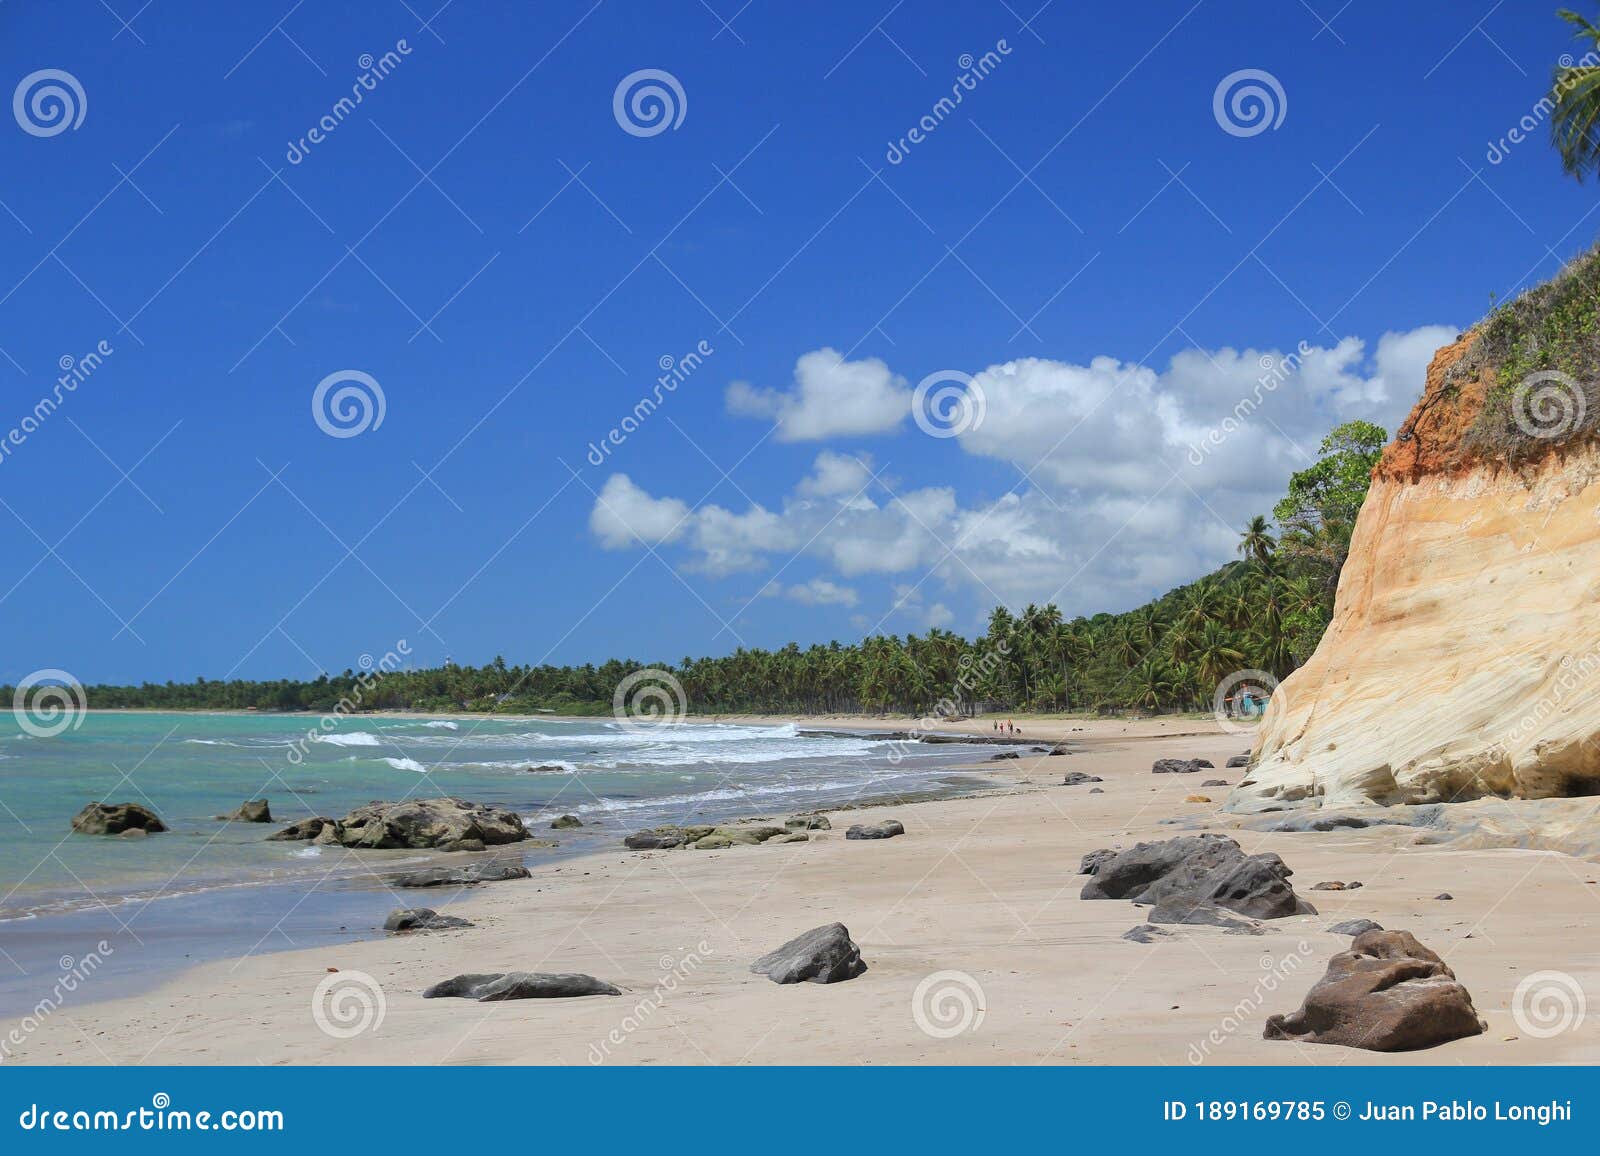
566 822
809 823
463 876
824 954
887 829
1444 895
1238 761
1215 783
1354 927
116 819
1078 778
1198 871
1328 885
1201 915
497 986
653 841
250 811
1004 755
1146 933
422 919
1096 791
1388 993
1092 862
1177 766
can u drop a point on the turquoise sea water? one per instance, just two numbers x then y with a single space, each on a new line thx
189 768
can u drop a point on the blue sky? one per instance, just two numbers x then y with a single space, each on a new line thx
483 238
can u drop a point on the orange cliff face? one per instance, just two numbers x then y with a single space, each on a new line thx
1463 658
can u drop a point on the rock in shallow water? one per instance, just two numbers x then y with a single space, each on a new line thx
824 954
566 822
250 811
1388 993
495 987
437 824
115 819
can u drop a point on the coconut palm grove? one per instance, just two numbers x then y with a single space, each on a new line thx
1264 611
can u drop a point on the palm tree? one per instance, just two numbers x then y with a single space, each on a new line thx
1575 100
1256 544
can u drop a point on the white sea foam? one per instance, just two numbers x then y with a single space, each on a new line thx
407 765
353 739
306 853
442 725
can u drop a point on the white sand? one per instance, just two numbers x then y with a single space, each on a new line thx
985 886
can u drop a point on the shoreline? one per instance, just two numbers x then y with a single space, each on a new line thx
982 886
173 931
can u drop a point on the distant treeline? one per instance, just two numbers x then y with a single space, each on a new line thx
1266 611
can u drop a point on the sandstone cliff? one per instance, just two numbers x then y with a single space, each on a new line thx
1463 658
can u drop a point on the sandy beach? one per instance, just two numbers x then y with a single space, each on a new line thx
984 888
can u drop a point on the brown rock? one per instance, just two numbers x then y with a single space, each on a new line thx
1388 993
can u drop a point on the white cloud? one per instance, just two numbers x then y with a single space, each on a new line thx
624 515
1140 476
831 397
816 592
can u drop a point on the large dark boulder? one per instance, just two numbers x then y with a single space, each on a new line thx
822 955
1238 761
444 824
422 919
1388 993
494 987
1198 871
887 829
249 811
115 819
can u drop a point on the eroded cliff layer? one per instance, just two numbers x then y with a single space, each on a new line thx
1464 654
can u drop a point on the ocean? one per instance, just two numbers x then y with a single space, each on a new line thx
207 889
